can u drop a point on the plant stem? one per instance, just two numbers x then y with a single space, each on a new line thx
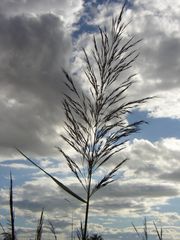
87 206
11 209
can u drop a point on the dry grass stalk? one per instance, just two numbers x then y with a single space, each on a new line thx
13 235
145 234
95 126
95 123
52 229
40 227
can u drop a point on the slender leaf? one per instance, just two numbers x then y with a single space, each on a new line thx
40 227
65 188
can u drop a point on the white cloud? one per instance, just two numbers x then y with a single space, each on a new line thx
149 160
158 65
158 23
34 45
68 11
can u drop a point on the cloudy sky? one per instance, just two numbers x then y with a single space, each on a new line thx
37 39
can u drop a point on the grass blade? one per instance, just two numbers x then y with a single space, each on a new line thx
40 226
52 229
157 231
65 188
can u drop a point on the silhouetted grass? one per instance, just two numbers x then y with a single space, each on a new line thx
145 234
95 126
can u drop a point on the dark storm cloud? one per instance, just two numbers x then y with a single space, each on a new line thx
131 197
161 63
135 190
33 52
117 204
173 176
35 197
51 204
